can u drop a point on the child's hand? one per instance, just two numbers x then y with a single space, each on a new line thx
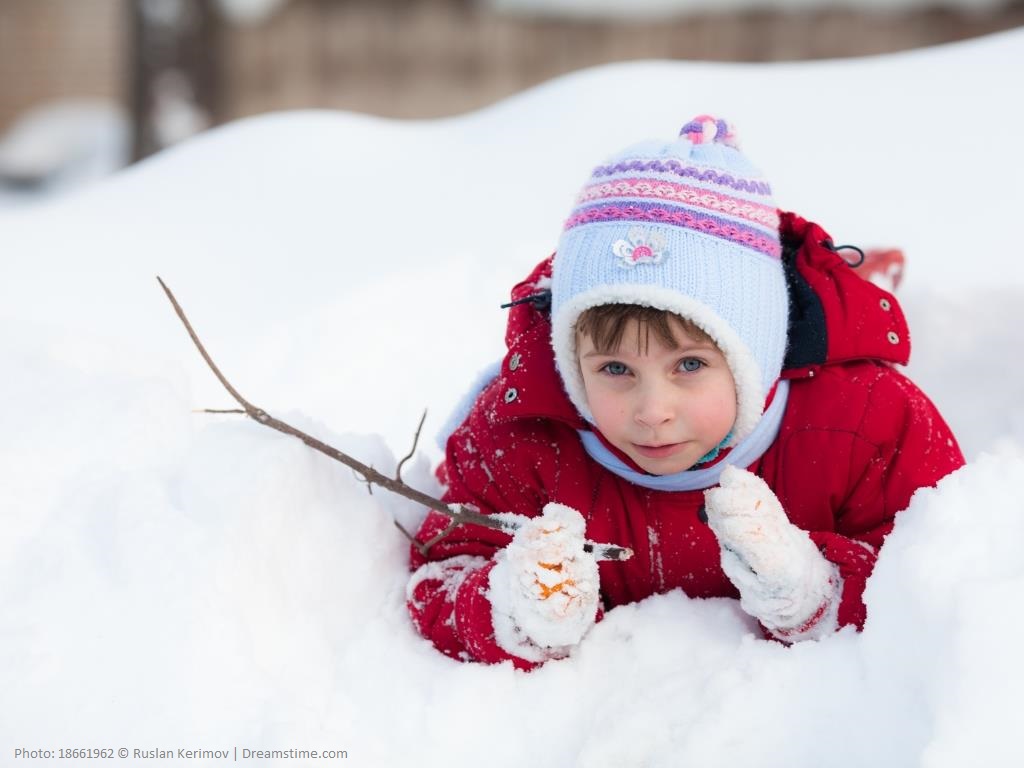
544 588
782 578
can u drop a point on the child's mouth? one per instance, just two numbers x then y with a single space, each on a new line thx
657 451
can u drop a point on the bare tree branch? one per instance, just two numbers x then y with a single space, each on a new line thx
412 539
436 538
458 514
361 479
415 442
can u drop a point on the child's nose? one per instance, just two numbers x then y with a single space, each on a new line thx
654 408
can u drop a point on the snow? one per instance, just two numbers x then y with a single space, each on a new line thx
249 11
172 579
59 145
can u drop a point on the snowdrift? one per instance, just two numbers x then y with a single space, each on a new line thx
175 580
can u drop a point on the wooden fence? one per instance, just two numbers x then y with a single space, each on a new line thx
437 57
425 58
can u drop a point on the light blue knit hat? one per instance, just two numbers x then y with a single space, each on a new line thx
690 227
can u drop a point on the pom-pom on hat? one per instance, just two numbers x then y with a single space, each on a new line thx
688 226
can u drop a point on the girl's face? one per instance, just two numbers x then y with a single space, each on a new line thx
663 407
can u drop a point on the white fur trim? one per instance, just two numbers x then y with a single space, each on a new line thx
745 370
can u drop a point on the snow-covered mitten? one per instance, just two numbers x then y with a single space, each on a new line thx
783 579
544 586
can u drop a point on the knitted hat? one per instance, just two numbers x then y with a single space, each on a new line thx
688 226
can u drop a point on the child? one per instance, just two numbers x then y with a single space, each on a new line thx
698 377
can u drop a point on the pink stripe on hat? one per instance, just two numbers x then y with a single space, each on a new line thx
682 193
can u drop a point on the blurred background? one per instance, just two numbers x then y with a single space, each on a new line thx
88 86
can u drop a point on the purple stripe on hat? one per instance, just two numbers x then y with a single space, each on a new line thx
685 218
686 171
674 193
693 127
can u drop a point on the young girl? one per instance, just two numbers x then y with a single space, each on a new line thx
698 377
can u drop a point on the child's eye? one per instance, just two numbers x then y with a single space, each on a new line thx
615 369
690 364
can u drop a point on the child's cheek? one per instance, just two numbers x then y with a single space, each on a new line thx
607 408
719 409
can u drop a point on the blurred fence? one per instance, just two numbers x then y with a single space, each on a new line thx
55 49
423 58
430 58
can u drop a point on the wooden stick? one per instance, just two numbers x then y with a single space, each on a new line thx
459 514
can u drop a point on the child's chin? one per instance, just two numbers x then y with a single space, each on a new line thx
667 466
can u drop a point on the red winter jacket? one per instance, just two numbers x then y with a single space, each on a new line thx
857 439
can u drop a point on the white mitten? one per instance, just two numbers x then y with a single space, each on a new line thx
544 587
782 578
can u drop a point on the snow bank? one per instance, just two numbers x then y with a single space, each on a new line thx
171 579
215 584
58 146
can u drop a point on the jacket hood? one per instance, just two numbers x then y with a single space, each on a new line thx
835 317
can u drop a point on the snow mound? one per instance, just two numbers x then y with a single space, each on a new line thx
210 582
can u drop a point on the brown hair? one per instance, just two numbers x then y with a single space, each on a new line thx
606 324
